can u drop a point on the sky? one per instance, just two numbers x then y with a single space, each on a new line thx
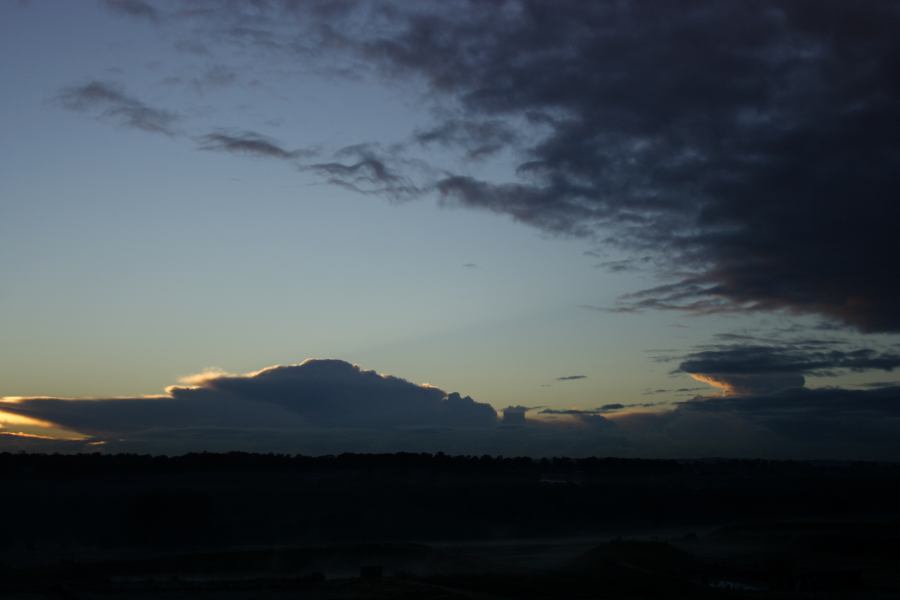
519 227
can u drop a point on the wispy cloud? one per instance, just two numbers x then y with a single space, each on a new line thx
109 101
249 143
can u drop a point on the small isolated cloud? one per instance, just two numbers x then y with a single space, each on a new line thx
109 101
470 265
567 411
611 407
571 377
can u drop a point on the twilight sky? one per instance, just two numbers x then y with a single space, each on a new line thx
612 227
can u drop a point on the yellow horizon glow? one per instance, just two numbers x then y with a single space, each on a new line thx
37 428
8 418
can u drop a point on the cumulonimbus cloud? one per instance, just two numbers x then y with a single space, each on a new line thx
330 406
315 407
313 394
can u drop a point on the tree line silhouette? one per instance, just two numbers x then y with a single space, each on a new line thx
240 498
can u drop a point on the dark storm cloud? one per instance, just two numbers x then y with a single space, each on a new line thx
571 377
133 8
314 394
111 102
755 146
248 142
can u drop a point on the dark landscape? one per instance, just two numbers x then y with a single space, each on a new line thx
434 526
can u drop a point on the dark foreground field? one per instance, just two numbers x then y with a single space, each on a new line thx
421 526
